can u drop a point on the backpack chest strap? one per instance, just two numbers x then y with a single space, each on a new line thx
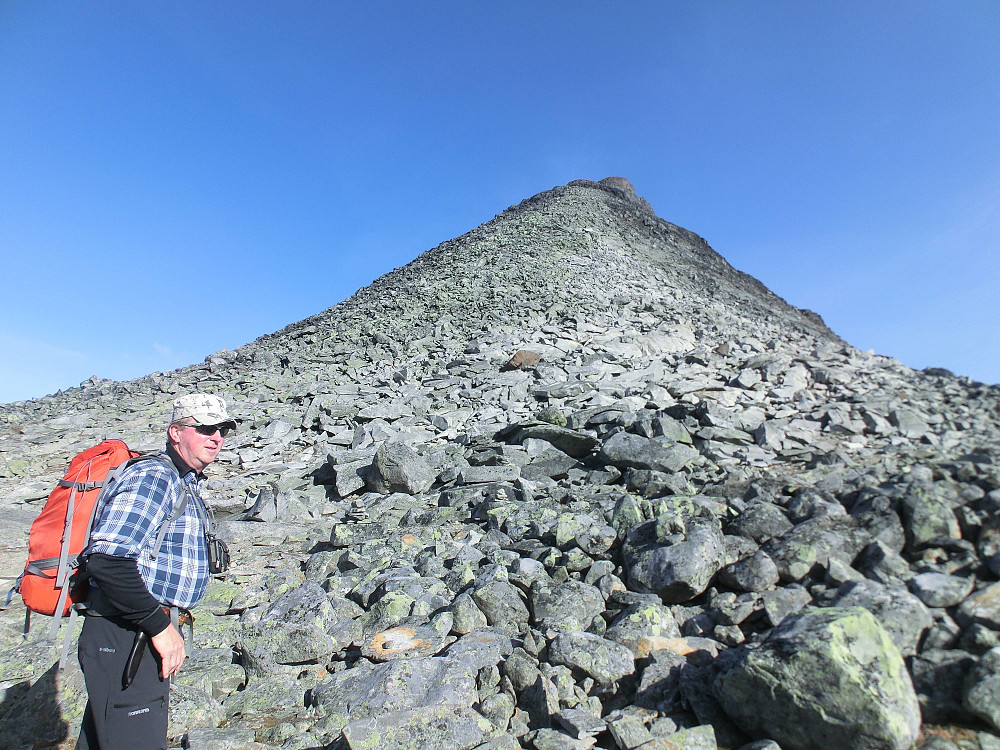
80 486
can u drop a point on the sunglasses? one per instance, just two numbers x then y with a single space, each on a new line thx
210 429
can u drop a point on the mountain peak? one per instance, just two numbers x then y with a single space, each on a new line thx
591 249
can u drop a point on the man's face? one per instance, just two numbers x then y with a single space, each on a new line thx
197 450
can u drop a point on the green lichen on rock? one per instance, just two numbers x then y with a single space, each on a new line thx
927 516
826 678
49 712
219 596
795 559
642 620
449 726
629 511
551 415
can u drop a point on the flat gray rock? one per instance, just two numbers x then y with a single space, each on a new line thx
375 690
571 442
604 660
940 589
426 728
981 607
625 450
294 629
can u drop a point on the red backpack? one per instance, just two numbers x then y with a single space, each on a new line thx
61 531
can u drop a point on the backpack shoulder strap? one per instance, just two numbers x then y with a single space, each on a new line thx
179 507
65 566
176 513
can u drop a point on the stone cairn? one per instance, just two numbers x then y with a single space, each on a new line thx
567 481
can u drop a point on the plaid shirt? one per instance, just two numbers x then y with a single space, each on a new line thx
130 517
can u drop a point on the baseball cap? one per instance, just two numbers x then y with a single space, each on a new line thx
204 408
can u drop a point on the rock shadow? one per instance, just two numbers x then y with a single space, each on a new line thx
32 714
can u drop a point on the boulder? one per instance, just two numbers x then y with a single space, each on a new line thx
292 630
940 589
981 692
427 728
380 689
678 567
642 620
399 468
603 660
927 516
903 616
754 573
572 605
825 678
760 522
571 442
625 450
981 607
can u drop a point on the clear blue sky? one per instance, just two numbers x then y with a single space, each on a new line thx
180 177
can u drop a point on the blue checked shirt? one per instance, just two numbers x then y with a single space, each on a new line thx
129 520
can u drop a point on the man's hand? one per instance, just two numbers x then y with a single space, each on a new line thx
170 646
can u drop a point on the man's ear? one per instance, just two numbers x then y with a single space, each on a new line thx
173 434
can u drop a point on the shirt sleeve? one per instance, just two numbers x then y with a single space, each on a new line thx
123 590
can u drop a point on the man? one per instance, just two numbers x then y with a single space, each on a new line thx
148 561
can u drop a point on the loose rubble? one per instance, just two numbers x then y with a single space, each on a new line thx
567 481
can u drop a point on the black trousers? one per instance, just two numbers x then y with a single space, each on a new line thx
117 719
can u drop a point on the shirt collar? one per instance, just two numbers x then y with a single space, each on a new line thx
182 468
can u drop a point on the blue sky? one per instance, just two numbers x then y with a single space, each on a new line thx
182 177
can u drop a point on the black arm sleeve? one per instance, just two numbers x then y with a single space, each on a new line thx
123 590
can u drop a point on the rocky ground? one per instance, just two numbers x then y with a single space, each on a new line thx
569 480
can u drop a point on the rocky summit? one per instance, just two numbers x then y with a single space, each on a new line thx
567 481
